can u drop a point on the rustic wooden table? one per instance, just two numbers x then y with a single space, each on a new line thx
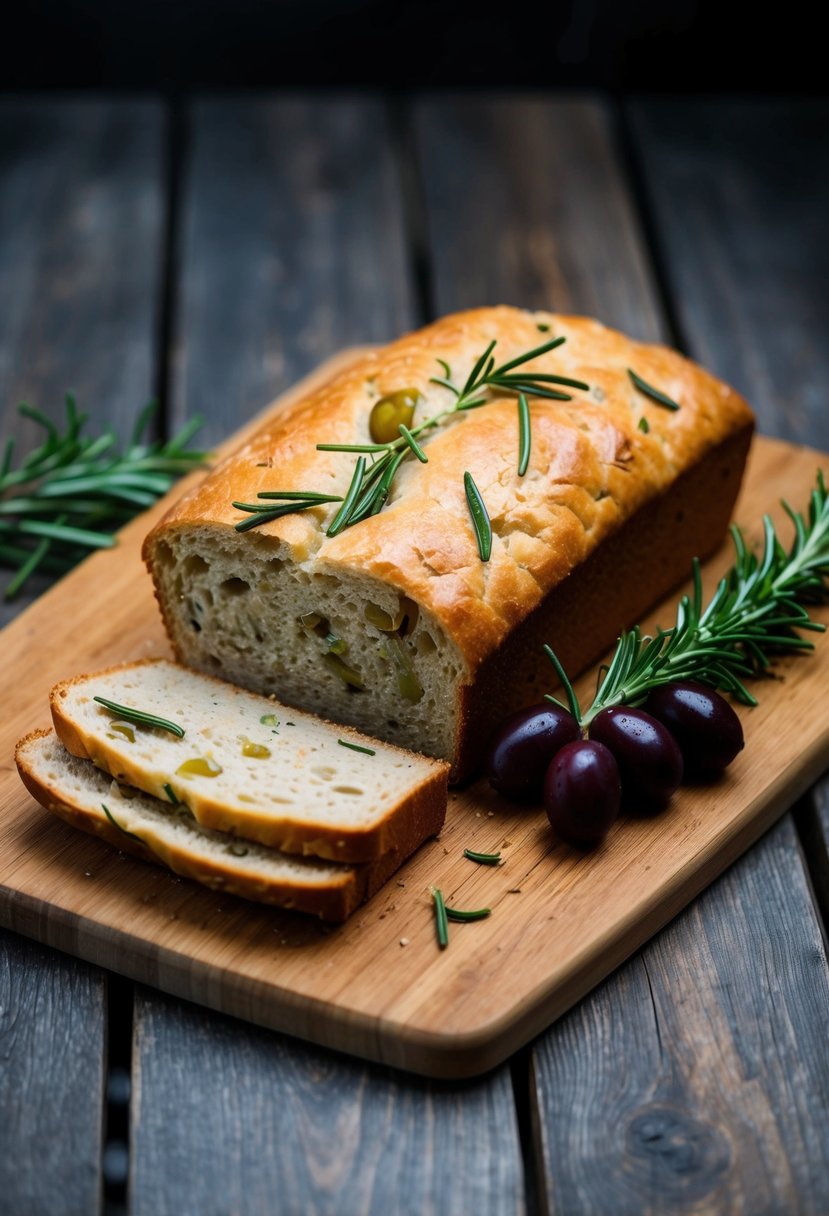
212 253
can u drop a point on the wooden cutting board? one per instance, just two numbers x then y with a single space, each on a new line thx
378 986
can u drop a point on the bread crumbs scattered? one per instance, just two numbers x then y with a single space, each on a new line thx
404 941
490 814
446 851
382 916
514 891
477 814
88 873
505 844
400 883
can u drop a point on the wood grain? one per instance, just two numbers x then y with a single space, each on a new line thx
268 1124
292 247
740 192
351 988
51 1080
526 204
81 213
725 1118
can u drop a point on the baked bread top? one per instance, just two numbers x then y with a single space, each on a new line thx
590 468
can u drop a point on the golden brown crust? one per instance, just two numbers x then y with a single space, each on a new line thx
591 468
405 825
333 902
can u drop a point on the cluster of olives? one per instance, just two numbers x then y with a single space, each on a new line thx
631 760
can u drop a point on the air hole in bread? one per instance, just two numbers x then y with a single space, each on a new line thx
233 586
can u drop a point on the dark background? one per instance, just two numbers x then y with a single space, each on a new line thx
641 45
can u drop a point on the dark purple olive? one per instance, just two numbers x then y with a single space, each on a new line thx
649 760
582 793
708 731
523 746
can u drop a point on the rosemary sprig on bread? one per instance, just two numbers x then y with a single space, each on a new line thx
395 439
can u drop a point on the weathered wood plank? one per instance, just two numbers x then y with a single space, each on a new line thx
232 1119
697 1080
292 247
749 256
52 1024
81 220
81 214
528 203
740 195
525 205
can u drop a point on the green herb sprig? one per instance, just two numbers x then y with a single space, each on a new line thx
140 718
757 611
377 463
69 494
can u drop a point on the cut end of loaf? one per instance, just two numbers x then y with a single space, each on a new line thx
349 648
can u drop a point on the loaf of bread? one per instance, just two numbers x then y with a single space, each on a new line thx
396 624
164 833
244 764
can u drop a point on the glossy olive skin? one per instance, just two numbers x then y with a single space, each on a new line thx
706 728
582 793
522 748
649 760
387 414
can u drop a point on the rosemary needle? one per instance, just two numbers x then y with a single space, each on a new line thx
483 859
458 914
355 747
480 517
117 825
524 435
140 717
441 923
655 394
171 794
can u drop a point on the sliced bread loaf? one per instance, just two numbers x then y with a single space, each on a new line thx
89 799
247 765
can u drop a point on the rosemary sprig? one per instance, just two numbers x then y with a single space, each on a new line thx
68 494
140 717
441 924
117 825
480 517
756 611
483 859
295 500
378 463
655 394
355 747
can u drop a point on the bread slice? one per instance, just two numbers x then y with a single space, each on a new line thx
249 766
135 823
396 625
